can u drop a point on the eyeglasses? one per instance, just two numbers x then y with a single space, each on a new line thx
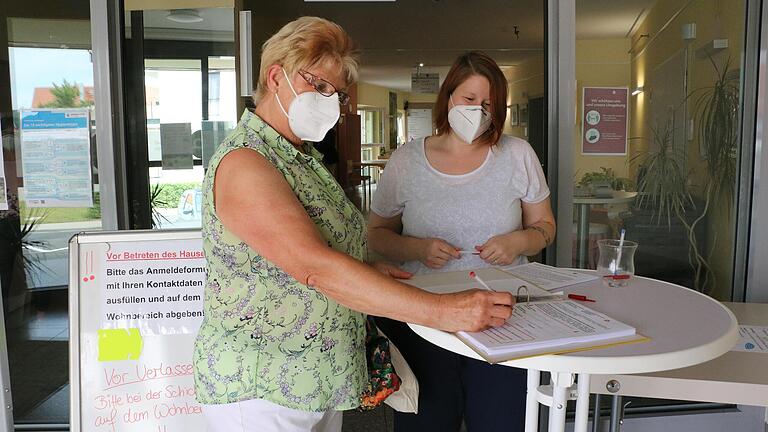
324 87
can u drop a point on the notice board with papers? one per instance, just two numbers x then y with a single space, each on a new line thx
136 303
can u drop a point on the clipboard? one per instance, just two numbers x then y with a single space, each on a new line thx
565 349
549 327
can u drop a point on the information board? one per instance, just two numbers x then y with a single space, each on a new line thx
176 145
425 83
604 121
419 123
136 302
56 157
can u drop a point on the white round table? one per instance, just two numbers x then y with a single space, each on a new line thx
685 328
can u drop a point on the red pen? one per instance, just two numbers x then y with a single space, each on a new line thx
617 277
580 297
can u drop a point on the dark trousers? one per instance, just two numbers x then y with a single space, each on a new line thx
453 388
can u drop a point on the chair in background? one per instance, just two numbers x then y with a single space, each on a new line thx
356 177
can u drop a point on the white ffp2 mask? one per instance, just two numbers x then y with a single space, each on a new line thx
311 115
468 121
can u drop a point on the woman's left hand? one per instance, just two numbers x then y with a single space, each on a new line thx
391 270
502 249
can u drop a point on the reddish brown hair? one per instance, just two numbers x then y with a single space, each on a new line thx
468 64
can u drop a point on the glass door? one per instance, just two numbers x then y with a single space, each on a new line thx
658 140
49 190
189 107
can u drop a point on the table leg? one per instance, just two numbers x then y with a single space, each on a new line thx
531 401
582 404
616 413
596 414
582 235
370 194
561 383
364 200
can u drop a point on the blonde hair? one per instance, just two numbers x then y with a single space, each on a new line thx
305 42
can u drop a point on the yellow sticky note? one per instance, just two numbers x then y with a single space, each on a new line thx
120 344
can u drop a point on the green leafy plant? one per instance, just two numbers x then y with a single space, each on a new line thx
604 175
170 193
156 202
15 230
663 183
716 108
607 175
66 95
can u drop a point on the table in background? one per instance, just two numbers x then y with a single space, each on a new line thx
734 378
583 205
670 315
378 166
367 177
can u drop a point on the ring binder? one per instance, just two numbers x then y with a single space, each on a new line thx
518 297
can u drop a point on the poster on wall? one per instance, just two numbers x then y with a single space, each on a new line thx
604 121
56 157
425 82
176 145
419 123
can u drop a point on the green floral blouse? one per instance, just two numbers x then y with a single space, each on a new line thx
266 335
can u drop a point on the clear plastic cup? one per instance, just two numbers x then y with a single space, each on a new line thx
616 264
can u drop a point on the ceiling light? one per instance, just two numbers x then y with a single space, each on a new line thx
185 16
638 90
421 64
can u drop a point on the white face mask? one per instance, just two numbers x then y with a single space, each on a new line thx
311 115
468 121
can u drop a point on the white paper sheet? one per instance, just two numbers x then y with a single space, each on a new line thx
752 339
56 157
548 277
548 324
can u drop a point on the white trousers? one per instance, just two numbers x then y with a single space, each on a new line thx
263 416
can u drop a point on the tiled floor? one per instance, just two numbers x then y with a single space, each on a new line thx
37 335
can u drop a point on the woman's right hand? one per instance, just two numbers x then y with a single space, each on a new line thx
435 253
474 310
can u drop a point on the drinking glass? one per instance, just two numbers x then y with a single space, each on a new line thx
616 264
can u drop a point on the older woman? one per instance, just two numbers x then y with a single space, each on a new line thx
282 343
464 198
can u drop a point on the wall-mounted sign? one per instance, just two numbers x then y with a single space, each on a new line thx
176 145
419 123
56 157
604 121
425 82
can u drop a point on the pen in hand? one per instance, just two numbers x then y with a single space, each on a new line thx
474 276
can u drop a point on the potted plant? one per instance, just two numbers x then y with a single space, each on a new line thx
15 229
605 179
156 202
665 191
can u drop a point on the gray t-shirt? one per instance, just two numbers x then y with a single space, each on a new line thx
465 210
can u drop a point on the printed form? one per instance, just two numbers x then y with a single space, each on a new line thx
547 277
548 324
